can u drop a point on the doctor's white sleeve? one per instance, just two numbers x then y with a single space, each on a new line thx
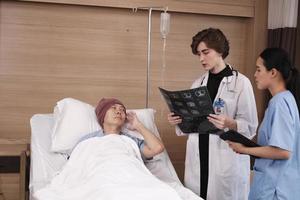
246 115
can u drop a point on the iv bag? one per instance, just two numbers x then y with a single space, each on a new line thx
164 24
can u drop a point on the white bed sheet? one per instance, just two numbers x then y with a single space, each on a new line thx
108 168
45 164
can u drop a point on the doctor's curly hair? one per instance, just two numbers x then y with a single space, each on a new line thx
213 38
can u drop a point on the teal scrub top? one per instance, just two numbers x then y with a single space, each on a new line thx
278 179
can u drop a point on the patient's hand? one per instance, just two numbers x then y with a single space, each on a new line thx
133 121
174 119
153 144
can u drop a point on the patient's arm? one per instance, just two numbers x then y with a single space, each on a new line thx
153 145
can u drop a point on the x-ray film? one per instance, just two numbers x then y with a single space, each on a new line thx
193 106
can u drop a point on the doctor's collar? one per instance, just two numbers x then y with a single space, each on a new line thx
227 71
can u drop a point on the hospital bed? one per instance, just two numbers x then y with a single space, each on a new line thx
45 164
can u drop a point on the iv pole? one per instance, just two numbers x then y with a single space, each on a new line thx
149 45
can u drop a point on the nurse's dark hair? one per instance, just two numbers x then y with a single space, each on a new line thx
279 59
214 39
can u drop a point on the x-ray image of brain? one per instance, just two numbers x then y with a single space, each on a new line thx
187 95
183 111
195 112
178 103
200 93
202 103
191 104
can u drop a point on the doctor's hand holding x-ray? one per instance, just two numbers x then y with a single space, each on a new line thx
212 169
222 121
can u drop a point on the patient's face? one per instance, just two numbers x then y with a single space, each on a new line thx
115 115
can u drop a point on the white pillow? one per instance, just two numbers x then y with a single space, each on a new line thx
73 119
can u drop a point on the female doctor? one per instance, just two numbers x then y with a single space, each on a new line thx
212 169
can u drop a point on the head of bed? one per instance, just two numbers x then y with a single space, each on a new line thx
45 163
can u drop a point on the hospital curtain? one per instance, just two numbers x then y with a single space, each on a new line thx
282 25
297 59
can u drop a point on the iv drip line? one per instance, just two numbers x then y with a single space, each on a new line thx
163 70
164 30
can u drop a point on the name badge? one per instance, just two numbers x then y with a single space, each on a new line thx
219 106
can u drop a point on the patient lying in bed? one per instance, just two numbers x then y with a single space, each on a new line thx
109 166
111 115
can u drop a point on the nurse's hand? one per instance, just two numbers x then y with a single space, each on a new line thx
237 147
174 119
222 121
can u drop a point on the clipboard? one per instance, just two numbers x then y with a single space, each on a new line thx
235 136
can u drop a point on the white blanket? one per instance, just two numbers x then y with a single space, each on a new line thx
108 168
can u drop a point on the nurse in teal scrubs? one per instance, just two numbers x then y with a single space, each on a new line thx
277 168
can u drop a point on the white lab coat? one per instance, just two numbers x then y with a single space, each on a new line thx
229 172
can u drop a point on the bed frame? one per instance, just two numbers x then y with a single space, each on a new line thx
24 175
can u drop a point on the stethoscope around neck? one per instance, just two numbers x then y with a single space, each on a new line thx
228 89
